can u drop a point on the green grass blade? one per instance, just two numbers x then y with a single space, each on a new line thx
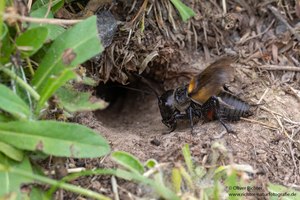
176 180
184 11
188 159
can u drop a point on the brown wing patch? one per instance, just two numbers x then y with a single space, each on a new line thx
211 80
205 93
192 85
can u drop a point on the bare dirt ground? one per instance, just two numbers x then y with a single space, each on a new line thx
269 142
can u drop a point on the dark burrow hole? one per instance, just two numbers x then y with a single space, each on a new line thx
127 103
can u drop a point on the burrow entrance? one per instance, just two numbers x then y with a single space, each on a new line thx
130 106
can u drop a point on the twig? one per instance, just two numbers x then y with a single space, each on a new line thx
224 7
48 9
282 128
286 119
279 68
257 35
70 171
261 123
270 111
263 96
279 122
293 156
290 121
287 135
142 8
220 135
114 186
29 4
294 92
284 21
7 16
132 6
129 36
145 62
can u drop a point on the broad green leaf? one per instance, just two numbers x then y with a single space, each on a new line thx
53 30
282 192
54 82
31 40
69 49
12 103
128 161
184 11
11 183
75 101
11 151
55 138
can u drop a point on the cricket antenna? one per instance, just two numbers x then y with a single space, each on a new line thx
148 84
133 89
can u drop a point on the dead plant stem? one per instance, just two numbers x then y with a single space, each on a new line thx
7 16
